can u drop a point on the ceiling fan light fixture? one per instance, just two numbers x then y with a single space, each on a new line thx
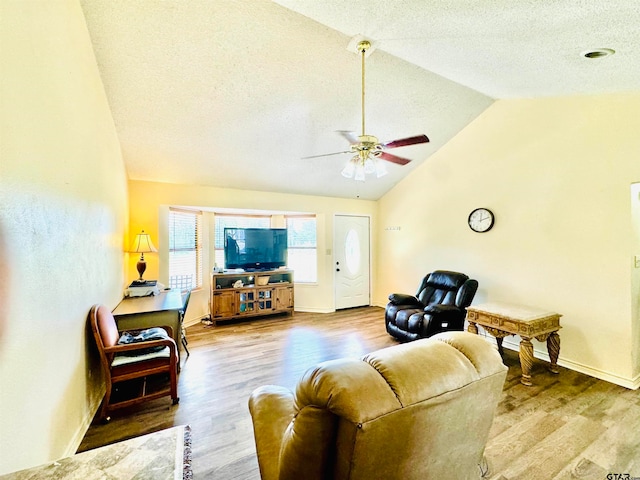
359 176
349 169
369 166
381 170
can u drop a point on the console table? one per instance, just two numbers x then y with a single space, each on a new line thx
237 295
167 308
501 319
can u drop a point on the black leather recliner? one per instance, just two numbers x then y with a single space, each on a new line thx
439 305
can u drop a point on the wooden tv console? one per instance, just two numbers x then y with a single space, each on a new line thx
261 293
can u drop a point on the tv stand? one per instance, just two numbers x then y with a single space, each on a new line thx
236 295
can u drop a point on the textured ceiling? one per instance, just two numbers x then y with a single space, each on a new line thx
233 93
502 48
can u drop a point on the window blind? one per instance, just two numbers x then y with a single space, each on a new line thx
302 256
185 248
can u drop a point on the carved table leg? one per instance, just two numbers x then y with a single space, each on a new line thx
473 328
526 360
500 350
553 347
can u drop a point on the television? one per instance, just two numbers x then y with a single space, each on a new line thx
255 248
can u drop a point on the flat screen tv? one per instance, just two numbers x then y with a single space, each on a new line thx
255 248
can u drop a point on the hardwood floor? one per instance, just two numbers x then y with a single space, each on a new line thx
565 426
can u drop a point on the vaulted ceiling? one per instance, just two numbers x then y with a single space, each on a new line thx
233 93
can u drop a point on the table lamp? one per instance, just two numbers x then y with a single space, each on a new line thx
142 244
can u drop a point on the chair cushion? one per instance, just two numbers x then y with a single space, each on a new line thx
154 333
441 287
446 280
121 359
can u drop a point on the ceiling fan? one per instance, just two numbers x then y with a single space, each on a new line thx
366 148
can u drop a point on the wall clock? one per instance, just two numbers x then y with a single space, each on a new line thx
481 220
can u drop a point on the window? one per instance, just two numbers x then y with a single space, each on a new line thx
185 249
301 239
234 221
302 255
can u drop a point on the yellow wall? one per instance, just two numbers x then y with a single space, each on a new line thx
149 204
557 173
63 219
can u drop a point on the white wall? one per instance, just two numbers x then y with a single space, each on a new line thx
63 216
557 173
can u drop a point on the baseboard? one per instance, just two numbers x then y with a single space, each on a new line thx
630 383
194 321
313 310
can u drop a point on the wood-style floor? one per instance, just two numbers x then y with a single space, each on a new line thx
566 426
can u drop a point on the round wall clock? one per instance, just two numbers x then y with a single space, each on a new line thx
481 220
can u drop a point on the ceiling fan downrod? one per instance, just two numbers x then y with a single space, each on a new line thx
363 46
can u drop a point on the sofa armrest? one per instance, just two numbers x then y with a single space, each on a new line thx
404 299
272 410
438 308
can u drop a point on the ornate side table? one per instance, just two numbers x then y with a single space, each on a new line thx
502 319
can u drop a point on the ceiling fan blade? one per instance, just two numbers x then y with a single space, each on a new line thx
327 154
403 142
351 137
394 158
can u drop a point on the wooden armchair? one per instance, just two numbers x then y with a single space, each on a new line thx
132 361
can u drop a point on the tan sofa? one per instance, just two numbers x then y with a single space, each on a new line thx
420 410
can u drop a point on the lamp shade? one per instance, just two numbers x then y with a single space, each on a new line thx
143 244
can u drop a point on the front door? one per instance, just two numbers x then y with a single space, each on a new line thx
351 248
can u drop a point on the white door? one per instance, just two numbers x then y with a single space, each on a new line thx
351 257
